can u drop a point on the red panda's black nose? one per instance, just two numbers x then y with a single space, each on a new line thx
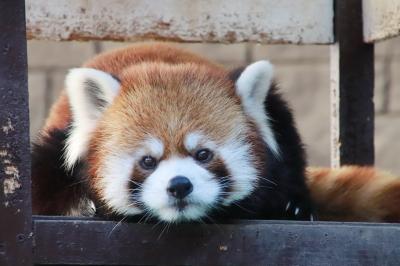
179 187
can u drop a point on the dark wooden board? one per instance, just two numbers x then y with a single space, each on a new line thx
244 243
15 198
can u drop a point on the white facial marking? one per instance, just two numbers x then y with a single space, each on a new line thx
118 172
204 194
252 86
76 143
238 161
192 140
235 154
198 140
116 176
154 146
82 98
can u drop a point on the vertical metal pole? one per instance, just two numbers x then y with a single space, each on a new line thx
15 187
352 88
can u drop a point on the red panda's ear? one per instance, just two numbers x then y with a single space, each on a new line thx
89 92
252 86
254 82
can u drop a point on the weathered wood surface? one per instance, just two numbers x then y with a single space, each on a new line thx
265 21
246 243
381 19
15 207
352 89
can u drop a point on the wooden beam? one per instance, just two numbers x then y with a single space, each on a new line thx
15 197
381 19
226 21
352 89
244 243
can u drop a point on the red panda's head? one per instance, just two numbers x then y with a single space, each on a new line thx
173 141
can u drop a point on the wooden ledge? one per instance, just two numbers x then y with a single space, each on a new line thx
96 242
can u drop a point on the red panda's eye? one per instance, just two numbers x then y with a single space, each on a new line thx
204 155
148 163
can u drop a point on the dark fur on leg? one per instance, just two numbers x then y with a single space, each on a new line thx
55 190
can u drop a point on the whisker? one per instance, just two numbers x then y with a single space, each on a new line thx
156 224
268 180
77 183
149 216
243 208
134 189
212 220
102 205
136 183
109 234
162 232
133 204
266 187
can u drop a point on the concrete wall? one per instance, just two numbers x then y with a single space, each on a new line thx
302 72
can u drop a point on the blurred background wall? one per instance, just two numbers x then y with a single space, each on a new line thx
302 72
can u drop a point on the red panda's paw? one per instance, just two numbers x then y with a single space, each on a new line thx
300 211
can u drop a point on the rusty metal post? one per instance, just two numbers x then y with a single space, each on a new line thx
15 192
352 88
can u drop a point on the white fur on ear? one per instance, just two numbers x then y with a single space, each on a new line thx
252 86
89 92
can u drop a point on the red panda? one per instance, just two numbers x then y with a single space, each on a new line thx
153 131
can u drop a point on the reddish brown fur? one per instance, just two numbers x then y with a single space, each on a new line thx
217 166
139 174
115 61
353 193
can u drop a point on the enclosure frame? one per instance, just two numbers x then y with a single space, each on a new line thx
38 240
